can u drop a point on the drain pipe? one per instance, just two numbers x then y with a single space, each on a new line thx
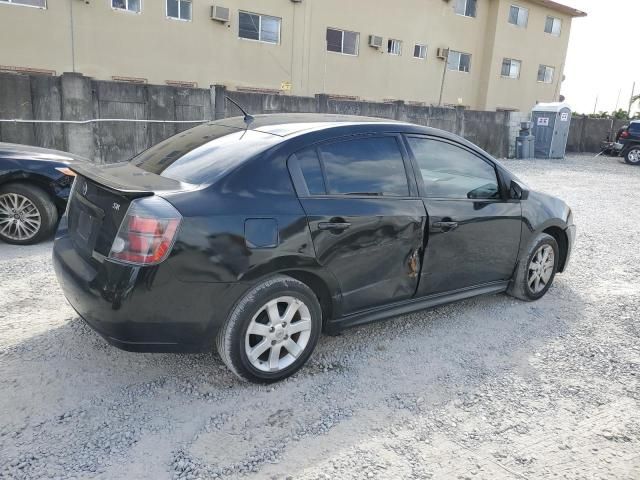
73 42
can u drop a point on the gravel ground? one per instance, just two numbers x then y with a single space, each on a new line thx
486 388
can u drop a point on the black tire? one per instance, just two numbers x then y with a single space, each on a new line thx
43 204
632 156
519 286
232 339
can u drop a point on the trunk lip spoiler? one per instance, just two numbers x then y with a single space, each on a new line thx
111 183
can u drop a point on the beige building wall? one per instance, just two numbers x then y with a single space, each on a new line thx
94 39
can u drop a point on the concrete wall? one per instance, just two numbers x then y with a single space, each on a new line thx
101 42
586 134
75 97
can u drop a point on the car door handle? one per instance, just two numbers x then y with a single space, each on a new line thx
333 225
445 226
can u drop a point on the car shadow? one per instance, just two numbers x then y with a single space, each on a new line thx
68 380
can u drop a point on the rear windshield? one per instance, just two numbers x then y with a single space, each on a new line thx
203 154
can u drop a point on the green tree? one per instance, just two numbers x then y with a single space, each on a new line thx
620 114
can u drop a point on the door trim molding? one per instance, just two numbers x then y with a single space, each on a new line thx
413 305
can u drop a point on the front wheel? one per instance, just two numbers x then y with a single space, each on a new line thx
632 157
272 331
536 271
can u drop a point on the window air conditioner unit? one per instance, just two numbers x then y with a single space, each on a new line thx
220 14
375 41
442 53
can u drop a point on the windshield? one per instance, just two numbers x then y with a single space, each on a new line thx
203 154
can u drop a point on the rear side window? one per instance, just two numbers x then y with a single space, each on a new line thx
311 171
365 166
449 171
634 128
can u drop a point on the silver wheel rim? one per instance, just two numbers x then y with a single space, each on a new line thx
634 156
19 217
541 269
278 334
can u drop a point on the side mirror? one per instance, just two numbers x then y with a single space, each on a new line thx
518 191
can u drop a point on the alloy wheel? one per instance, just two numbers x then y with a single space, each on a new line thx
278 334
541 269
19 217
634 155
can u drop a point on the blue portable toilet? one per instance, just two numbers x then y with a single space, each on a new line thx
551 122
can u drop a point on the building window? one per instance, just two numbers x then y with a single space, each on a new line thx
518 16
458 61
420 51
27 3
511 68
466 7
263 28
553 26
341 41
179 9
545 74
129 5
394 47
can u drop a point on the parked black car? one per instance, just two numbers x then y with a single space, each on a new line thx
257 239
34 186
628 143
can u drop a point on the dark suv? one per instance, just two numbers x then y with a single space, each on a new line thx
257 239
629 143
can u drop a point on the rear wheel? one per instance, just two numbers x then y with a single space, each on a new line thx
272 331
536 271
632 156
27 214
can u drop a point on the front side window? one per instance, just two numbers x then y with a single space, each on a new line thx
129 5
553 26
394 47
466 7
449 171
458 61
27 3
365 166
545 74
511 68
179 9
518 16
342 41
263 28
420 51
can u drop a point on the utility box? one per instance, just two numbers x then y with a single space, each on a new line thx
525 142
551 122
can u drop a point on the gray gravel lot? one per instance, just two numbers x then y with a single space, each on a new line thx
487 388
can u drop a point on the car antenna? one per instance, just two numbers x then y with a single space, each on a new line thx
248 119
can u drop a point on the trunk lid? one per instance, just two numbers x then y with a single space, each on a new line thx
100 198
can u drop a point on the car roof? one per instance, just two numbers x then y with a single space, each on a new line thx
203 154
287 124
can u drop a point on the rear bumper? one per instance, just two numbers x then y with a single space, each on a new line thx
143 309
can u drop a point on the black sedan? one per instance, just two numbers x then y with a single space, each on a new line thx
34 186
255 237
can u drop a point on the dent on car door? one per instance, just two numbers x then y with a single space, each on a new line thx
366 221
474 229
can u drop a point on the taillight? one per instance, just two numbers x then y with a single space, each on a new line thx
624 134
147 232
